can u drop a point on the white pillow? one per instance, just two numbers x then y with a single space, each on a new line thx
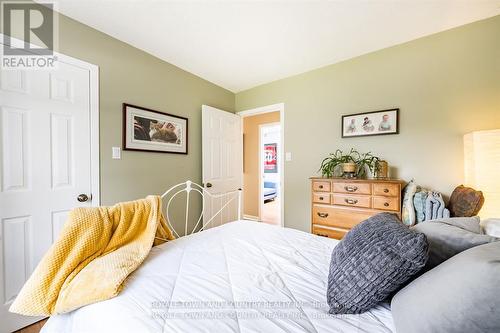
408 212
491 227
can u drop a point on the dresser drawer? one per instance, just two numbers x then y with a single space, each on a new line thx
339 217
321 186
321 198
356 188
363 201
336 233
391 190
386 203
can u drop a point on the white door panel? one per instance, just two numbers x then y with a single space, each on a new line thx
222 163
45 164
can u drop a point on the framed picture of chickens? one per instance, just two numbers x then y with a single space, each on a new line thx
149 130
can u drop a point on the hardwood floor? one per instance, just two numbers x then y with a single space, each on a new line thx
34 328
271 212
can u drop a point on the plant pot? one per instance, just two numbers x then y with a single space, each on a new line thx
349 169
382 170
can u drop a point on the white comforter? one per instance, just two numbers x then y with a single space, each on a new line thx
239 277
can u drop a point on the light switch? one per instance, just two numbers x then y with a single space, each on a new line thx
288 156
116 153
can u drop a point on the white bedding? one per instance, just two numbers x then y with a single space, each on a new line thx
240 277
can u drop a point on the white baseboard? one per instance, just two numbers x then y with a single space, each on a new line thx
251 217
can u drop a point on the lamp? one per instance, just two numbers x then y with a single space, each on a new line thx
482 168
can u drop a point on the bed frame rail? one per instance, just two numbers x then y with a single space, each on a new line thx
189 187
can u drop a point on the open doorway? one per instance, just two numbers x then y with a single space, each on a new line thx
262 165
270 148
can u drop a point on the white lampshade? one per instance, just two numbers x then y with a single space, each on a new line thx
482 168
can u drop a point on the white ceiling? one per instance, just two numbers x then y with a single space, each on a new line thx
242 44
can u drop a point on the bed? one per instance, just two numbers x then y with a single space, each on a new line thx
239 277
270 191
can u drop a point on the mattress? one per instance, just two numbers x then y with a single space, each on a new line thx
239 277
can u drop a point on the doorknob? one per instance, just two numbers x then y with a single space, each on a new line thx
82 197
209 185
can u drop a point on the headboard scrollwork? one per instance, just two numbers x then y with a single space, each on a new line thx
188 187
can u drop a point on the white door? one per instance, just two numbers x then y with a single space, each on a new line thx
222 143
45 165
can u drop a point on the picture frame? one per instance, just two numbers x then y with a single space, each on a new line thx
154 131
270 158
382 122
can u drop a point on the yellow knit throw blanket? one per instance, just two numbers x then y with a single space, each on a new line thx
97 249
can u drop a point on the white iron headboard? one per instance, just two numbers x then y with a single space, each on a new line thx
189 187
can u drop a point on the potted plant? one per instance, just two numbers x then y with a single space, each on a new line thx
352 164
338 163
369 162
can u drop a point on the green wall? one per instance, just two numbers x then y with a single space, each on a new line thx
127 74
446 85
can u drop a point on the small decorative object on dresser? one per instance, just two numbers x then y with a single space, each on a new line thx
338 204
382 170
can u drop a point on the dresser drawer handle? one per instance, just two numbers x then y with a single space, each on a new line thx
324 215
321 186
386 190
386 204
322 235
351 201
351 188
321 198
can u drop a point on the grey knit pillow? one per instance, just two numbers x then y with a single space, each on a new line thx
371 262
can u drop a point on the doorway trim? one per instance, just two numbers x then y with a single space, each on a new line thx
267 109
94 115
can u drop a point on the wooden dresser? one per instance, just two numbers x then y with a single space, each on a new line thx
338 204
